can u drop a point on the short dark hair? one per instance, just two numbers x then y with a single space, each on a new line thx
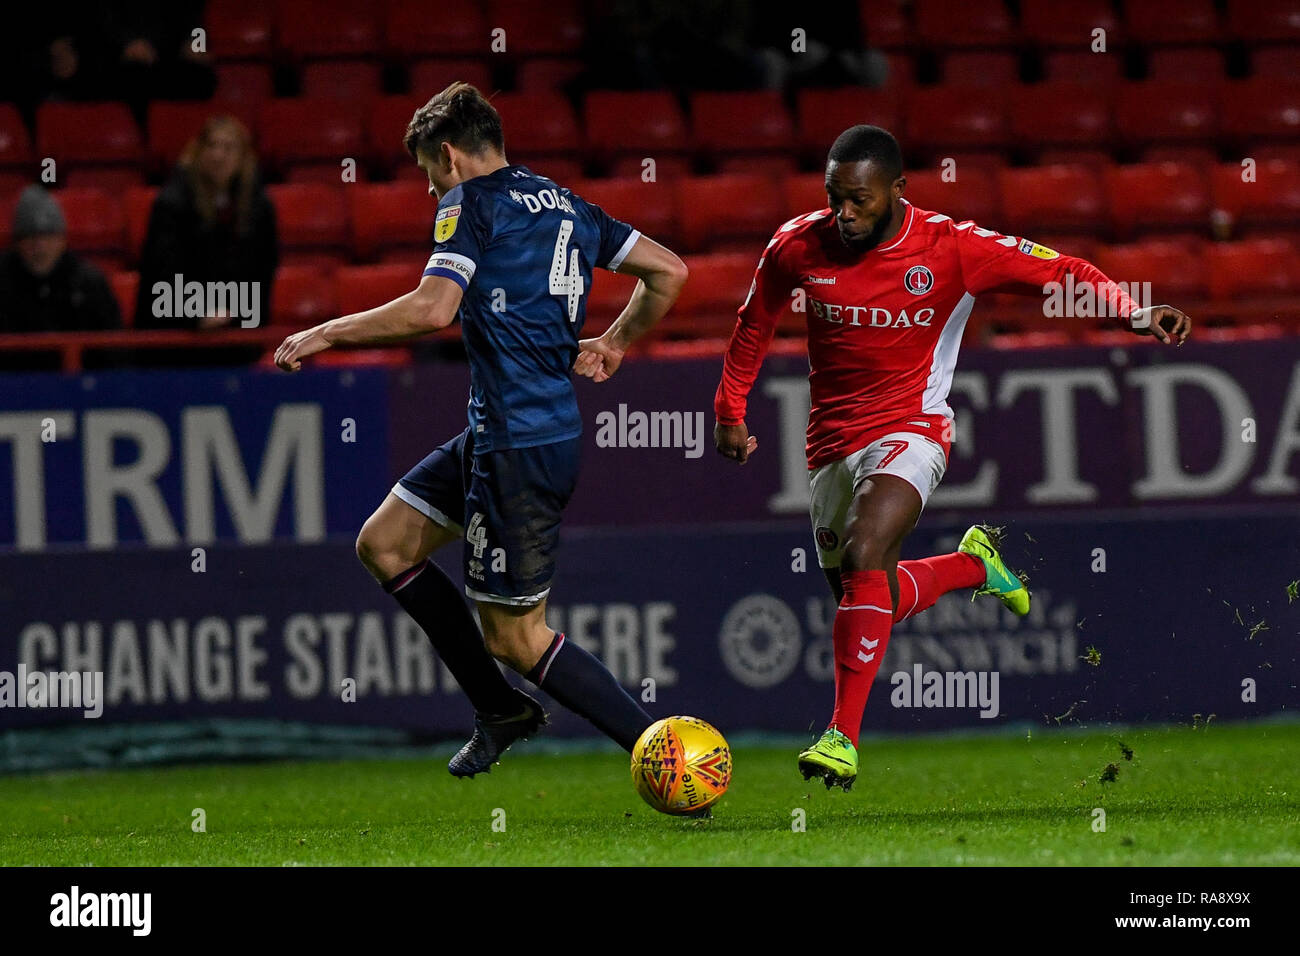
459 115
861 143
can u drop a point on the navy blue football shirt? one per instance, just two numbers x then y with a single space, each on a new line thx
523 249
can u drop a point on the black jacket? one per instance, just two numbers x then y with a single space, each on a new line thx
179 241
73 297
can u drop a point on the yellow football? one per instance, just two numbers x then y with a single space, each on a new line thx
681 765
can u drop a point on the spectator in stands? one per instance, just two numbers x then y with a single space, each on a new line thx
153 52
43 286
213 222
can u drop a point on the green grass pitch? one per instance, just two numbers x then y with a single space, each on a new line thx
1223 795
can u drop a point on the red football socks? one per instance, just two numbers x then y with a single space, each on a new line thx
860 635
921 582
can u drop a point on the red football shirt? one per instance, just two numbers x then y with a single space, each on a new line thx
884 326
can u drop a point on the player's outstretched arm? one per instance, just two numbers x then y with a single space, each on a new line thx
430 306
662 276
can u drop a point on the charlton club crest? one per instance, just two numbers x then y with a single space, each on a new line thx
919 280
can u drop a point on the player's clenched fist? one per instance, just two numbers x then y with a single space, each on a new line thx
734 442
299 346
598 360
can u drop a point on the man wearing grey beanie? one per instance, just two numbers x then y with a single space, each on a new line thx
43 286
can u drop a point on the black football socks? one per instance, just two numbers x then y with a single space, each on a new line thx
585 686
429 596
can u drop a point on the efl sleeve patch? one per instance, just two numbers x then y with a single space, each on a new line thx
1037 251
444 224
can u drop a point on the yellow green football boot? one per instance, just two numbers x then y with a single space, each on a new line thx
984 543
833 758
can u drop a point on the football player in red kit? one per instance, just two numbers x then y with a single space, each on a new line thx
889 288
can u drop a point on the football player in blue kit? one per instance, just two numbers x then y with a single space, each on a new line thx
513 260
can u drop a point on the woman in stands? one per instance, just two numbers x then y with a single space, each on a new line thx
213 222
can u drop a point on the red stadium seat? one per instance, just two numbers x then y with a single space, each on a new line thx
981 69
457 28
95 221
647 124
90 132
772 165
1057 198
1205 156
1078 66
972 195
1050 23
1268 152
386 215
307 29
1247 332
900 71
7 201
650 207
1270 199
1275 61
311 216
825 113
1159 111
239 29
883 23
126 287
558 168
805 192
306 129
1062 114
1191 64
137 206
243 82
1176 270
718 286
11 184
1266 21
1157 22
749 122
302 296
15 145
358 288
941 118
342 79
732 207
111 179
386 122
1253 269
943 24
327 172
606 298
549 74
541 124
173 124
554 27
1262 109
429 77
1150 196
666 168
1096 158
